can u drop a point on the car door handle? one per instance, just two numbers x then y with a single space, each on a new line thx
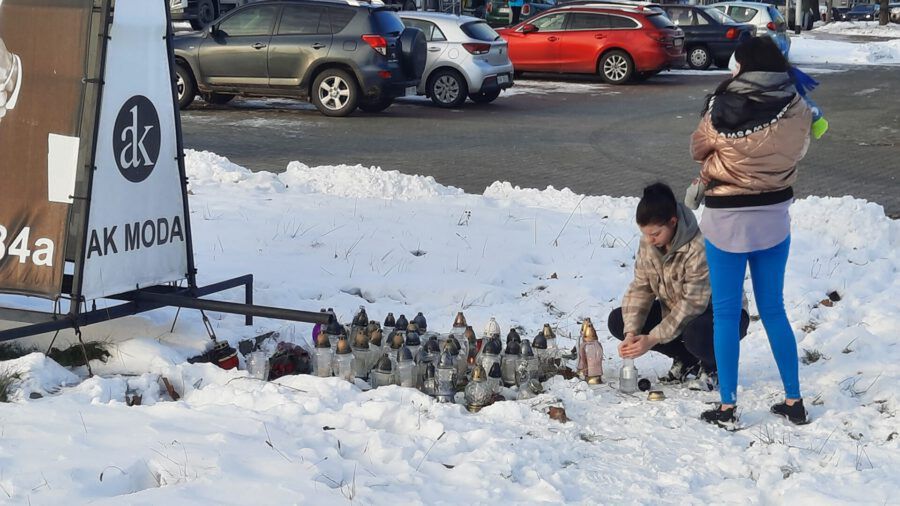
434 49
318 45
599 36
258 45
553 39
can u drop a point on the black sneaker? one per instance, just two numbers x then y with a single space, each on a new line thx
796 414
724 418
679 371
706 381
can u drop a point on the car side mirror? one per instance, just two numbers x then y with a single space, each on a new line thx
529 28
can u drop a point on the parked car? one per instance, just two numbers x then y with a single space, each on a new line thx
765 17
338 54
709 36
497 13
837 13
809 10
617 42
466 58
864 12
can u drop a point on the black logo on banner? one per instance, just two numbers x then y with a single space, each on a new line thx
136 138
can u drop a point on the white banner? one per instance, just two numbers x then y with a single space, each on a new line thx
136 231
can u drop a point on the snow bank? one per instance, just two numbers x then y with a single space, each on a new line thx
807 50
343 237
860 29
206 169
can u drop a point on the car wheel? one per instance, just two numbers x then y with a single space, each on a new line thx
485 97
217 98
185 86
698 58
335 93
206 14
616 67
376 105
447 88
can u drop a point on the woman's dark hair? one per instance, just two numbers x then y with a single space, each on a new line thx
753 54
657 206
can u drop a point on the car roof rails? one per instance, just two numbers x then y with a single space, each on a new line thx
612 4
356 3
642 7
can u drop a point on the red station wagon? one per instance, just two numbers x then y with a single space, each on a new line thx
618 42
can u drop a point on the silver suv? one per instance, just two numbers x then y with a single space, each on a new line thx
466 58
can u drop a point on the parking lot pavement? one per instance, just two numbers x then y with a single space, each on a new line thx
577 133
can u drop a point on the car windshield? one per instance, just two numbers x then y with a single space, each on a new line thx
717 15
479 30
862 8
387 22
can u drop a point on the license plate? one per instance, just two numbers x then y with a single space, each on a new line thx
411 91
502 79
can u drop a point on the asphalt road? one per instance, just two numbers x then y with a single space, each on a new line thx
574 132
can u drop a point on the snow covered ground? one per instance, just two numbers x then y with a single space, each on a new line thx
349 236
808 50
860 29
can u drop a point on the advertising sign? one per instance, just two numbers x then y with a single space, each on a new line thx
136 231
43 50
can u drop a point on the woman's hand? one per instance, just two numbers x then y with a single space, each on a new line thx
635 346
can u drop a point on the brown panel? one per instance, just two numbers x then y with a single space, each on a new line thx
50 38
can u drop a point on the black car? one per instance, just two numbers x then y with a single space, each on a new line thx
340 55
709 36
864 12
837 14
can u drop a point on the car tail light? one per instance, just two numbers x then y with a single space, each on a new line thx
526 9
659 37
771 26
732 33
377 42
489 8
477 48
384 74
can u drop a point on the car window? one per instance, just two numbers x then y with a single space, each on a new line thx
257 20
776 16
550 23
588 21
713 13
387 22
622 22
431 31
720 7
660 20
479 30
304 20
682 17
741 14
340 18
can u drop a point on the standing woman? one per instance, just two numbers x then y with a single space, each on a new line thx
755 130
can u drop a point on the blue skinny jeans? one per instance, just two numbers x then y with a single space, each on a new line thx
726 275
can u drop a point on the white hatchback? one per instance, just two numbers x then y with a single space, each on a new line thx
764 16
466 58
